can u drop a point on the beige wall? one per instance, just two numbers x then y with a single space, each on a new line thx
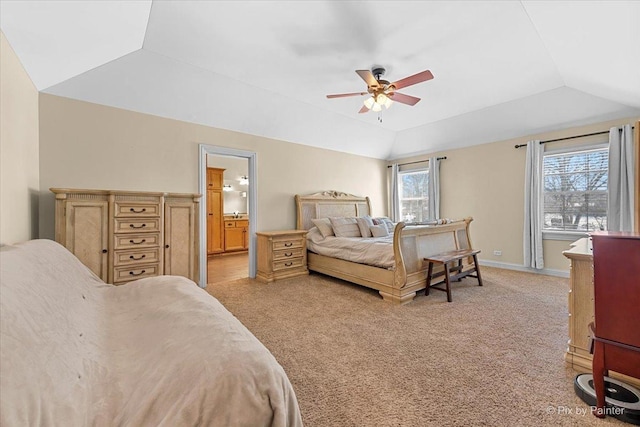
18 150
84 145
487 182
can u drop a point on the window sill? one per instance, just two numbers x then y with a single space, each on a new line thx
571 236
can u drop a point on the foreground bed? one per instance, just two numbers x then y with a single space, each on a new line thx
157 351
411 244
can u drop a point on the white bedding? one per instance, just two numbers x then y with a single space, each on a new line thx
376 251
154 352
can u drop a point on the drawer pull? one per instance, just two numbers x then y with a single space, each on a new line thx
140 211
137 274
137 259
139 226
137 243
288 254
288 244
288 264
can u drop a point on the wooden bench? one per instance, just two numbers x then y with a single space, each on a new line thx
447 259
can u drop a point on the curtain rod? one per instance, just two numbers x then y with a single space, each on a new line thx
571 137
419 161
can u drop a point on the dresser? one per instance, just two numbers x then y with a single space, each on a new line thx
127 235
281 254
581 308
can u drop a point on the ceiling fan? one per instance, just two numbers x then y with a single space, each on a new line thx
383 92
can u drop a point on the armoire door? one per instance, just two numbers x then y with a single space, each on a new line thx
179 239
87 234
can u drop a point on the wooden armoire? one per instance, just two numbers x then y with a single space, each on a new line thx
215 211
126 235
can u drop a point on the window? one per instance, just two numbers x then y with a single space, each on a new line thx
413 192
575 190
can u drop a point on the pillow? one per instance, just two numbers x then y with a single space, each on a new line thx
379 230
363 224
345 227
383 220
324 225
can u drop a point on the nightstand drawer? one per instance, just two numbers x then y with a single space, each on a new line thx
284 264
140 256
133 209
129 225
287 244
126 274
287 254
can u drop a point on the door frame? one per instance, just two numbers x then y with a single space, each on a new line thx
252 193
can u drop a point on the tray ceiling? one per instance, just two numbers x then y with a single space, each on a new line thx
502 69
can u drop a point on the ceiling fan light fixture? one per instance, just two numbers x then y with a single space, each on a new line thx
376 107
369 102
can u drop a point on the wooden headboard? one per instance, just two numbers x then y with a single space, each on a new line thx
329 204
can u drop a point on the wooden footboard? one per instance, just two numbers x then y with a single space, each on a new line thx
411 244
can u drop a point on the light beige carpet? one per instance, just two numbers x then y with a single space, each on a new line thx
494 356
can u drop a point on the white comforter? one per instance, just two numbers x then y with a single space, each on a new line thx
154 352
376 251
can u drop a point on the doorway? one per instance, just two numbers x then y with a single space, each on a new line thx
240 214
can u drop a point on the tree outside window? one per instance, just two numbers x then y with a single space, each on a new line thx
414 195
575 190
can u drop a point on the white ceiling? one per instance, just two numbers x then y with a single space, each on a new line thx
502 69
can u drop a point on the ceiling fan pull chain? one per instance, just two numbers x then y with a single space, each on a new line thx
380 116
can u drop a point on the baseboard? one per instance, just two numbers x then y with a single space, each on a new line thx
516 267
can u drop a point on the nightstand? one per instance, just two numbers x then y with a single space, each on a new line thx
281 254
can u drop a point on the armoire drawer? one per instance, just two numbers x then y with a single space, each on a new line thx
134 209
131 225
138 256
128 273
132 241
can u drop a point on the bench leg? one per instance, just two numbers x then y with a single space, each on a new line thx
429 272
447 280
477 267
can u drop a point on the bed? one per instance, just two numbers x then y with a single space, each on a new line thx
410 244
158 351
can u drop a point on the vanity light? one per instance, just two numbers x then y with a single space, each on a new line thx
244 180
226 187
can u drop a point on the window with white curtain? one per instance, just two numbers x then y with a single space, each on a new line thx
413 193
575 190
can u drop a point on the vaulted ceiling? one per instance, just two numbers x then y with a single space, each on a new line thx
502 69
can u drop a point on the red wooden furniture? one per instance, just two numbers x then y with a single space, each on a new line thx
616 273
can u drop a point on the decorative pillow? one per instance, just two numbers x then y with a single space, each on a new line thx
386 221
379 230
324 225
363 224
345 227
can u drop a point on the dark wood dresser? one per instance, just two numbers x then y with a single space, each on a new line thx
616 272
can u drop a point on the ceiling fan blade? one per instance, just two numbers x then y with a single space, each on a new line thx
364 109
411 80
404 99
344 95
368 77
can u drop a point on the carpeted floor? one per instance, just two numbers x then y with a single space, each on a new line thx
494 356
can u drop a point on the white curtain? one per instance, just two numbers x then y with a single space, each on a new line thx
434 188
395 197
533 206
621 179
